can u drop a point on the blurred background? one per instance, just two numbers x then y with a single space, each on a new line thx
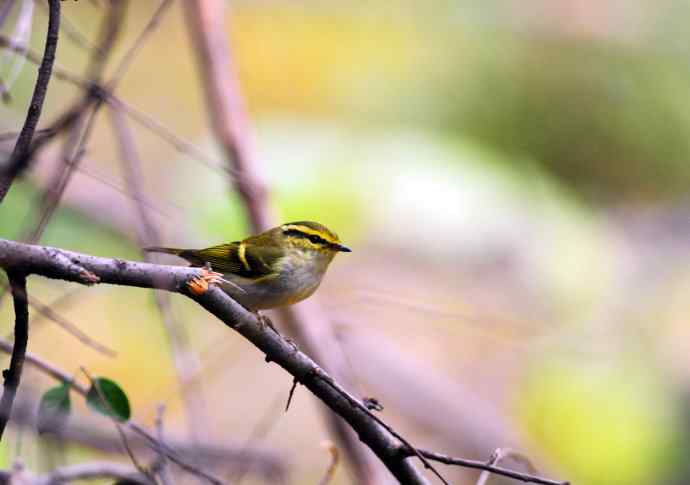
512 176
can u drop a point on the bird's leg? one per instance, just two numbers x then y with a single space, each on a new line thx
200 284
264 322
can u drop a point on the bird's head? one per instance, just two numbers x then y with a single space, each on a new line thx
311 237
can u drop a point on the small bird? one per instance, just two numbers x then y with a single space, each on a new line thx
278 267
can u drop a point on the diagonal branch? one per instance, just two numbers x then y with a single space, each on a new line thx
18 159
388 445
21 338
230 124
488 466
35 260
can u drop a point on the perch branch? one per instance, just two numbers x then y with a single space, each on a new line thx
229 122
37 260
389 446
18 159
489 467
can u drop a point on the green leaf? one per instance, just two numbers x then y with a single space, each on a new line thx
53 409
110 401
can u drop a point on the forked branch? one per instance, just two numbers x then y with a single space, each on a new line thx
393 450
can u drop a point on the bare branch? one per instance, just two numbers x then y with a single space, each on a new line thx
266 463
501 454
230 125
186 362
150 123
132 52
72 120
71 32
19 160
21 338
32 259
151 441
70 327
488 466
226 106
111 415
58 72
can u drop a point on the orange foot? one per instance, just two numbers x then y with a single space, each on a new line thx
199 284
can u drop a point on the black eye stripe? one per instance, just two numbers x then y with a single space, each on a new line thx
312 237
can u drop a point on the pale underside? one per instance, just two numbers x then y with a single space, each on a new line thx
298 275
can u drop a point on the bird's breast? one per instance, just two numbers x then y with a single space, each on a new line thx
297 277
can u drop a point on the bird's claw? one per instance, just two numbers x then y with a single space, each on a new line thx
265 322
200 284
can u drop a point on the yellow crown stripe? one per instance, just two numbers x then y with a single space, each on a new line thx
309 230
241 254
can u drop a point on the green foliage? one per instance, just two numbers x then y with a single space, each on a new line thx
54 409
110 401
602 425
69 228
613 121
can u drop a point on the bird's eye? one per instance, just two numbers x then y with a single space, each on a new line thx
315 239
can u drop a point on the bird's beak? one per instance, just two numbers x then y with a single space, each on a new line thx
341 248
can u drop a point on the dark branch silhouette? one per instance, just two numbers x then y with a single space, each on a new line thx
489 467
19 158
390 447
230 124
21 338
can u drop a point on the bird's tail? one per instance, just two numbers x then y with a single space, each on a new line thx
156 249
190 255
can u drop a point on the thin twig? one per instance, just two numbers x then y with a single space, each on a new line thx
21 338
111 414
59 72
229 122
156 127
145 120
484 465
72 33
19 160
500 454
292 392
148 437
226 107
139 42
34 259
172 449
384 441
186 363
71 328
56 189
71 120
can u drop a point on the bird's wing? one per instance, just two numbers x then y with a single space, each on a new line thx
240 258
